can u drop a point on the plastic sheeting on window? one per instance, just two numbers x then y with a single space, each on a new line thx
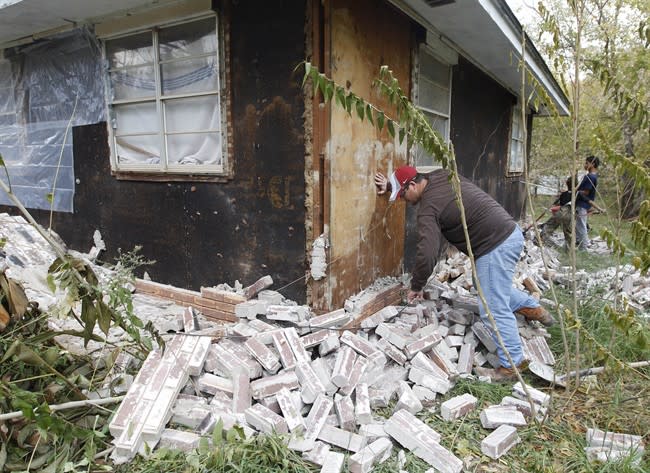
41 84
191 126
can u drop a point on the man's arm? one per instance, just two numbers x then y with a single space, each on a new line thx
428 248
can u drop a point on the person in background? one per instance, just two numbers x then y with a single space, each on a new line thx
586 193
561 215
496 243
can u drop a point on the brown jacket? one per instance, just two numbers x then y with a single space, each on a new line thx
488 223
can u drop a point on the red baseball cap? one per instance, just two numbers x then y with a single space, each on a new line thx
400 179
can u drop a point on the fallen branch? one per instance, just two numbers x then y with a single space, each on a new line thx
67 405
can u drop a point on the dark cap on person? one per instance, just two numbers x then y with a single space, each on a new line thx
400 179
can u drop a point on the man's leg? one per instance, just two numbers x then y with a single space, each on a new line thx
495 271
565 220
549 227
582 239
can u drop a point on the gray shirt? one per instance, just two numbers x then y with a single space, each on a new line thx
488 223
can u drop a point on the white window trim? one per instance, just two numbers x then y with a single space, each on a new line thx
184 171
516 115
447 115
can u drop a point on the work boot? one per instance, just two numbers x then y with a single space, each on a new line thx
502 373
537 313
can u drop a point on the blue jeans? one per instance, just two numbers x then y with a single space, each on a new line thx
582 239
495 271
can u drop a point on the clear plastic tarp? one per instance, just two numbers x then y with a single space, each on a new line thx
45 89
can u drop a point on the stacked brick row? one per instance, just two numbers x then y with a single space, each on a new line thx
214 304
282 369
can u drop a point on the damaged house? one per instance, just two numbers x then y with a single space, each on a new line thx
182 126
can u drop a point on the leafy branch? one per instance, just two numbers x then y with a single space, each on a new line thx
409 123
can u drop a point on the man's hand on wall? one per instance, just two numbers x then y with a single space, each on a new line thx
381 183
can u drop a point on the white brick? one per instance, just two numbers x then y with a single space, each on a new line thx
330 344
524 407
324 373
425 395
342 438
265 420
315 338
500 441
310 384
315 421
332 319
270 385
422 344
244 357
495 416
281 344
406 399
343 366
317 454
200 353
394 335
416 436
484 334
536 395
179 440
190 417
465 359
362 411
344 408
297 348
358 344
272 297
376 452
392 351
247 309
190 322
290 412
425 363
269 361
372 431
333 463
210 383
600 438
358 369
442 360
458 406
229 364
241 396
426 379
380 397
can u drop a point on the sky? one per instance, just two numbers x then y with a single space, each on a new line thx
525 10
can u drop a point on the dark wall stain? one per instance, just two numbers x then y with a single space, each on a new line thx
481 111
202 233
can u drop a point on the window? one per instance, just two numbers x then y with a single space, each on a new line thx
434 100
164 100
517 152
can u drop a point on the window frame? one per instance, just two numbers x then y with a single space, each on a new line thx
512 169
166 171
428 49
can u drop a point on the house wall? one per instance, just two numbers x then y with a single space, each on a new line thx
366 234
481 112
206 233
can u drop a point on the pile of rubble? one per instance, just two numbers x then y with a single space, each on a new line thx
319 378
248 357
617 283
